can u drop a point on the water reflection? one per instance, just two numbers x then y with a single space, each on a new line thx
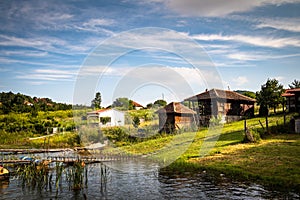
138 182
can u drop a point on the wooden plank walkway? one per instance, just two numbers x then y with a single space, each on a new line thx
29 151
70 160
15 161
89 160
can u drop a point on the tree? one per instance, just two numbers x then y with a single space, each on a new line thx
136 121
270 94
295 84
247 93
121 103
149 105
96 102
131 105
160 102
269 97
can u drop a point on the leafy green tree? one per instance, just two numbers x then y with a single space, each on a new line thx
96 102
122 103
136 121
131 106
20 103
295 84
149 105
270 94
160 103
247 93
269 97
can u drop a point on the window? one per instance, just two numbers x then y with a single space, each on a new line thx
105 120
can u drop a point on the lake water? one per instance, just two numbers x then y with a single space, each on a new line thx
142 180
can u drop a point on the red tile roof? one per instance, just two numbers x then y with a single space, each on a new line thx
137 104
288 94
176 107
292 90
220 94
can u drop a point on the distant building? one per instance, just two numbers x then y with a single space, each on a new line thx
175 116
27 103
292 99
107 117
228 104
137 106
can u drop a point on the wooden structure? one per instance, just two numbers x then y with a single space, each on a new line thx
175 116
292 99
228 104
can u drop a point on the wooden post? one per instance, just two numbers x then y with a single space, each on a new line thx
284 117
267 124
261 124
245 124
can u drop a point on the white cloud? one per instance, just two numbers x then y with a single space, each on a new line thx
49 44
286 24
27 53
241 80
279 78
48 75
249 56
98 22
252 40
216 8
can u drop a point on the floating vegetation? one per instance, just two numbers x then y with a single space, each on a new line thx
34 175
104 177
44 176
76 174
39 176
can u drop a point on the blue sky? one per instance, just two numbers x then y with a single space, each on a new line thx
46 47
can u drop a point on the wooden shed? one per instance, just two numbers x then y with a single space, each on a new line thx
292 99
228 104
175 116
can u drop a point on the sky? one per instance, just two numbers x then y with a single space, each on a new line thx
146 49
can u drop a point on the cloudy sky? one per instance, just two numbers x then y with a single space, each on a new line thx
48 48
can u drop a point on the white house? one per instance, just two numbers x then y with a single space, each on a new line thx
107 117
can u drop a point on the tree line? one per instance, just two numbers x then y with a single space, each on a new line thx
20 103
123 103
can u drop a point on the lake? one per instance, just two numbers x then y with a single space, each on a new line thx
133 179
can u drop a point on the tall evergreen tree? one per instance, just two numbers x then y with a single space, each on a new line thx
295 84
96 102
269 97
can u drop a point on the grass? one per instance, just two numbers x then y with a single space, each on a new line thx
61 140
273 161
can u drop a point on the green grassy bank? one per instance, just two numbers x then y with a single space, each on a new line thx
273 160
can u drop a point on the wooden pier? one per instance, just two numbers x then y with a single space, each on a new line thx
72 159
31 151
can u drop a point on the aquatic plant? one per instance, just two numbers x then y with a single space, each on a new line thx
75 175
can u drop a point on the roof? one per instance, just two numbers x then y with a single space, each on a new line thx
137 104
290 92
176 107
220 94
102 110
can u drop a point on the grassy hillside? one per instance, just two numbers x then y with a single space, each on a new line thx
273 160
16 128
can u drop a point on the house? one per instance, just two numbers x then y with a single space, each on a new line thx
228 104
175 116
27 103
292 99
137 106
106 117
